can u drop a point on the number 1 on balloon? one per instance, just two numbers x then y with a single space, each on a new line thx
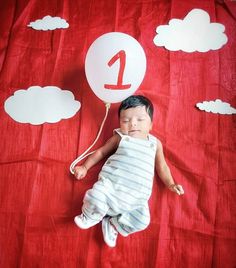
122 57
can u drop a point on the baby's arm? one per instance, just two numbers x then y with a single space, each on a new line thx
164 173
98 155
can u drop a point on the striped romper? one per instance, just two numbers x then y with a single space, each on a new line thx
124 186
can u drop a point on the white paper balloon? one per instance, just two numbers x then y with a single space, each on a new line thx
115 66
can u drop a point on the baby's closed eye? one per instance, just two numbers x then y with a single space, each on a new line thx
141 119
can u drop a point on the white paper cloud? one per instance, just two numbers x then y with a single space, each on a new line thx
216 106
49 23
38 105
194 33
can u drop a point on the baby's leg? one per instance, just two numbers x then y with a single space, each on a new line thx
132 221
95 204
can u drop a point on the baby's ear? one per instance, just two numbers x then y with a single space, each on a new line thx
151 126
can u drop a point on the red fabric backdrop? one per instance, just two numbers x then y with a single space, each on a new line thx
38 196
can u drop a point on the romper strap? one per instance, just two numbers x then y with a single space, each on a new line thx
117 130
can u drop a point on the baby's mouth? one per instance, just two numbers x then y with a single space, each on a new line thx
134 131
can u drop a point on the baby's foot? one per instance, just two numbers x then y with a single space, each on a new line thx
109 232
84 222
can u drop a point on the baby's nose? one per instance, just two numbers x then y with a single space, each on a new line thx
134 122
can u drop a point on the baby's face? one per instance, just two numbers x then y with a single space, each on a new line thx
135 122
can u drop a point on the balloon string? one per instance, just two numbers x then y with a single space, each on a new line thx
85 153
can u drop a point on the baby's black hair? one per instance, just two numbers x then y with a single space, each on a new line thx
135 101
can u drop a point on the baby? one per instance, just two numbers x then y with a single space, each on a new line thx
120 196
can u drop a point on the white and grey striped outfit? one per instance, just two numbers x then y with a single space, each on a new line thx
124 185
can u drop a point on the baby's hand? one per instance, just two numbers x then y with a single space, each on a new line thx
178 189
80 172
